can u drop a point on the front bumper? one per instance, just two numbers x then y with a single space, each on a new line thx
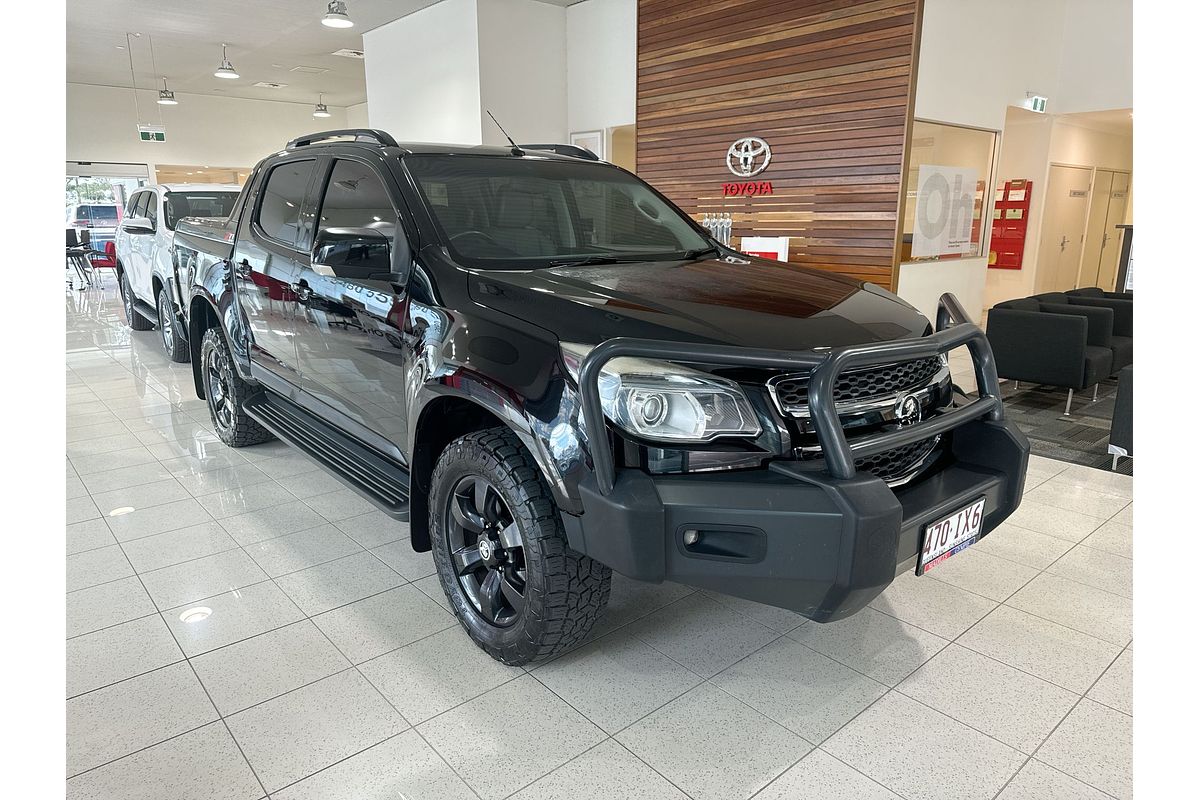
791 537
817 537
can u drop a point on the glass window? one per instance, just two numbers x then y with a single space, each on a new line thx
949 177
152 209
197 204
103 215
143 198
282 196
507 213
356 198
132 204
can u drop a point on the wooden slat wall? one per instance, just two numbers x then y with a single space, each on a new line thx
827 83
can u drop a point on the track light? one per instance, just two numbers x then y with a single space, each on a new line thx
319 110
226 69
165 96
336 16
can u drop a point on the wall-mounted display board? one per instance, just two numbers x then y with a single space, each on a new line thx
793 117
1010 221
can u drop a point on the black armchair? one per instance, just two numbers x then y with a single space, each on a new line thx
1052 344
1120 435
1121 340
1096 291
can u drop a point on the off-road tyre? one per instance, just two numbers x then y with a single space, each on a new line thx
225 393
175 346
564 591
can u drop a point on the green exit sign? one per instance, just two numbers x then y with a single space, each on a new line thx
152 133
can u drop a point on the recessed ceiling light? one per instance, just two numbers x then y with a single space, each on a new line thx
226 69
195 614
336 16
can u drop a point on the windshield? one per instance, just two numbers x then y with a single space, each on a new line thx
510 213
99 215
198 204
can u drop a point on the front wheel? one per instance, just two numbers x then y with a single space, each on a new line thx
501 554
174 345
226 392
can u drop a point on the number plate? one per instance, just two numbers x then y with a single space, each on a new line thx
949 535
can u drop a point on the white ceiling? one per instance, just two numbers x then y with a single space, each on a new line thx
266 38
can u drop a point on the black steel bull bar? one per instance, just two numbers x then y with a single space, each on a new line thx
954 329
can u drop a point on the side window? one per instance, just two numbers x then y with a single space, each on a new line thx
132 204
152 209
139 210
281 198
357 226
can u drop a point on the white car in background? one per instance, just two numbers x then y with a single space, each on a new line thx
149 287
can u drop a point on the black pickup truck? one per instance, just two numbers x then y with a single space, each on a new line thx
551 372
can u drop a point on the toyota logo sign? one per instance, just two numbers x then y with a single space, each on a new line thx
748 156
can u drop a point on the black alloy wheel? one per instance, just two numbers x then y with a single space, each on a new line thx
218 373
225 392
487 550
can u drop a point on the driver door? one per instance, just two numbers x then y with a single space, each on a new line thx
350 320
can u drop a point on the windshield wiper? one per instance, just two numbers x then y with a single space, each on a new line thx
699 252
586 261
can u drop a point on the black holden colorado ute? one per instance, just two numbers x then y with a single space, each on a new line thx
552 372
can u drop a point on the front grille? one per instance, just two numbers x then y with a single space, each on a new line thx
892 465
791 391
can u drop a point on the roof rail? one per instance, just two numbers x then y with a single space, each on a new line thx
564 150
359 134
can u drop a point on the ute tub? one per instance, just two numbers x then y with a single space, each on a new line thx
818 537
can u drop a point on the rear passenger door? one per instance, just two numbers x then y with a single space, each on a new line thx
268 259
351 318
140 245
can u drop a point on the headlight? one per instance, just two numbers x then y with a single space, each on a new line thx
666 402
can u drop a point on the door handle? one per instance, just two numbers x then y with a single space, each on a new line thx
1063 244
302 291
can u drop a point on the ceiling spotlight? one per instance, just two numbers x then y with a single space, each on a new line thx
226 69
336 16
320 110
165 96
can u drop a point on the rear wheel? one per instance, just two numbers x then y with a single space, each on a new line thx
225 393
175 346
136 321
502 556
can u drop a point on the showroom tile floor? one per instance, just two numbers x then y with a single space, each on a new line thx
328 666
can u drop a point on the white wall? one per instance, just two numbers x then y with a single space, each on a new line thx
220 131
423 75
523 70
601 64
978 58
357 116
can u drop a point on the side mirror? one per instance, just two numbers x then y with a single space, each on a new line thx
137 225
354 253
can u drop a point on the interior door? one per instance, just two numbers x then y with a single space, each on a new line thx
351 317
1063 225
1093 243
1110 249
267 264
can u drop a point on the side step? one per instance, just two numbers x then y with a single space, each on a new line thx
146 310
376 477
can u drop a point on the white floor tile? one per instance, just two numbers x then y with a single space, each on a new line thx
932 605
202 765
713 746
1115 687
993 698
202 577
874 643
922 754
609 769
97 566
297 551
535 733
1036 781
1094 744
983 573
1053 520
820 775
106 604
701 634
119 652
296 734
88 535
236 615
1022 546
1093 611
371 627
335 583
616 680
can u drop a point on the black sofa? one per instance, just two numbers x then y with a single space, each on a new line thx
1052 343
1121 342
1120 435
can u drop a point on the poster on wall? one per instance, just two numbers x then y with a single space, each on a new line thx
945 211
